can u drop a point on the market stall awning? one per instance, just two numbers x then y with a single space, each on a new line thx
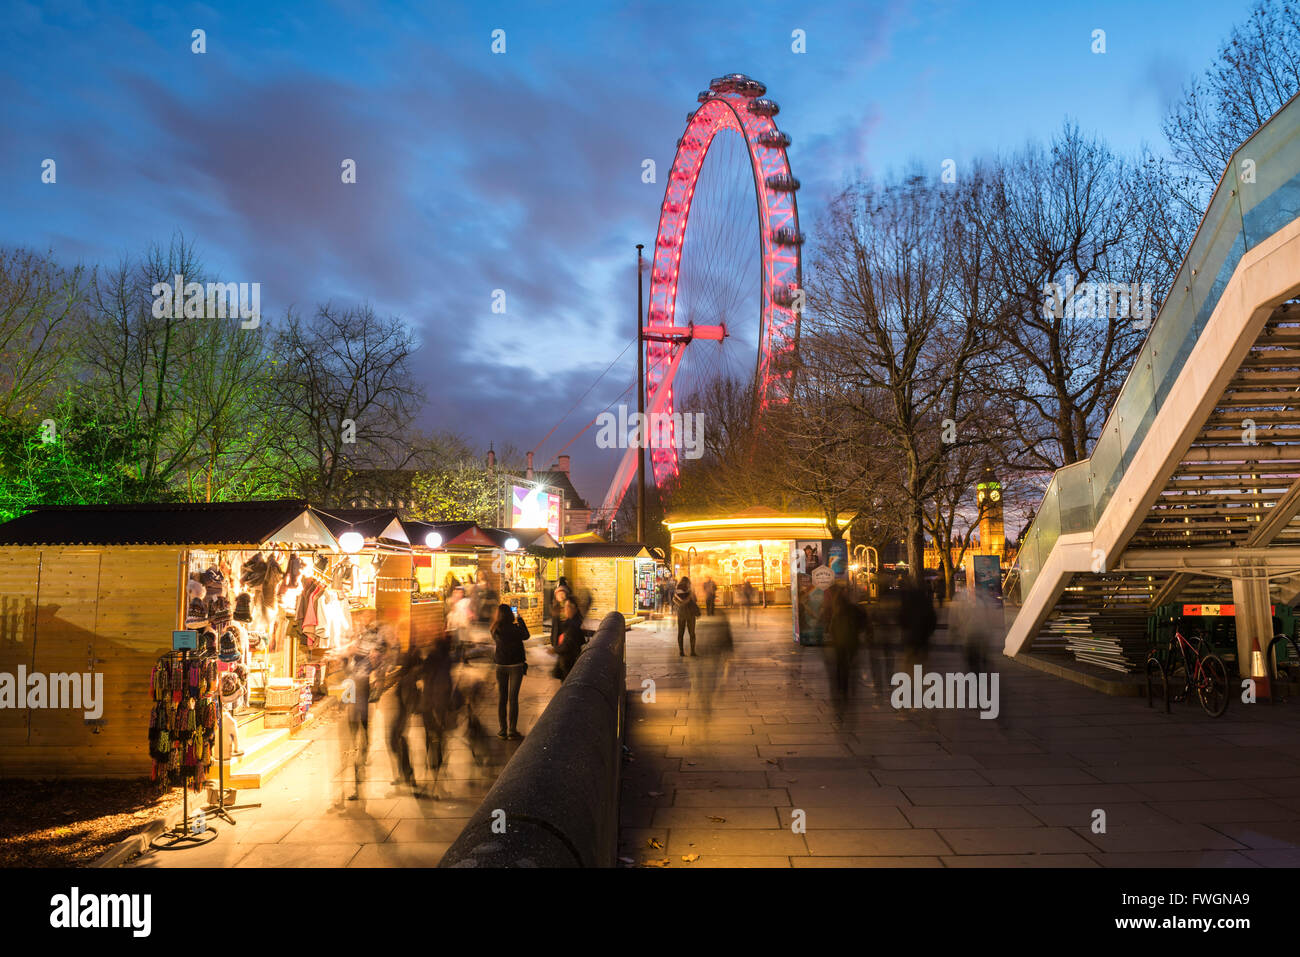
372 524
605 550
286 522
454 534
534 541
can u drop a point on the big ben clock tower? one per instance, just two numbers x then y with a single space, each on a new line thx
988 493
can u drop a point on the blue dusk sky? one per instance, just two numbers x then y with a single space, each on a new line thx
518 171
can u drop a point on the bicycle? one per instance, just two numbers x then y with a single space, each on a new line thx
1195 667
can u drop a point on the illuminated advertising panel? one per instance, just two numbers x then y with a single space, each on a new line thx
535 508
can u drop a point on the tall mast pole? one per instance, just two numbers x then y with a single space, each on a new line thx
640 404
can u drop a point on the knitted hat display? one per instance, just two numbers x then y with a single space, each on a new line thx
230 645
219 608
211 577
194 588
231 688
207 641
198 610
243 607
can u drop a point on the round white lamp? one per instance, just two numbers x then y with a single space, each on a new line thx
351 542
432 540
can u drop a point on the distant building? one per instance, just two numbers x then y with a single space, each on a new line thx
381 488
992 538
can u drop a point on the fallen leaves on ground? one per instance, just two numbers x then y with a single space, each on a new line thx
662 862
69 823
717 820
690 858
651 842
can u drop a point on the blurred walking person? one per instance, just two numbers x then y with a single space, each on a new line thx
849 629
716 646
917 619
710 595
509 635
423 689
364 661
687 610
570 639
747 602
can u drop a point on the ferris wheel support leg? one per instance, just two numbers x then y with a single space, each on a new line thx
627 466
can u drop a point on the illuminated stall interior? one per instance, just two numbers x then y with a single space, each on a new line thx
526 566
753 545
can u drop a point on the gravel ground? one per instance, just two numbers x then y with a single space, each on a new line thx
69 823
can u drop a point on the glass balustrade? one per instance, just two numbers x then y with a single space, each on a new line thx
1258 194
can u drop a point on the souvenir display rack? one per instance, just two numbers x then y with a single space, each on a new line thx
182 725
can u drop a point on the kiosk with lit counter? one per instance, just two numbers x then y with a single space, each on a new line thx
753 546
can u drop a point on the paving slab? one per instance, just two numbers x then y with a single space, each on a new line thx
885 787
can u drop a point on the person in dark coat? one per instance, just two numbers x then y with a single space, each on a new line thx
509 635
570 639
687 610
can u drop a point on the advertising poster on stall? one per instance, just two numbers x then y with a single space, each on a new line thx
817 566
987 575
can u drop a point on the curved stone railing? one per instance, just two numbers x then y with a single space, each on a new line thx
556 802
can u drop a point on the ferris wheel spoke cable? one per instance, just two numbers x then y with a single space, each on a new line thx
595 417
581 397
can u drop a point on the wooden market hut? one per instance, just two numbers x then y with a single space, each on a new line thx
99 589
609 570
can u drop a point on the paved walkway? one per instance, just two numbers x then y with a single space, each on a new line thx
306 821
721 775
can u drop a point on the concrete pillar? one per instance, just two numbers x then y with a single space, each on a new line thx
1254 618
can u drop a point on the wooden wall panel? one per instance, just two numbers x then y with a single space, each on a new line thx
110 612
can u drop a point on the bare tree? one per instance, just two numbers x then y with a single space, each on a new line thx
1066 229
343 389
183 388
883 328
1256 71
42 305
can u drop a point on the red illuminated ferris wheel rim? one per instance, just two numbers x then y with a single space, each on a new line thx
733 103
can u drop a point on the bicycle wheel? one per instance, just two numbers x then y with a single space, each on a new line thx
1286 670
1156 683
1212 685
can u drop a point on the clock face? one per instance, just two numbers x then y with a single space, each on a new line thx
995 495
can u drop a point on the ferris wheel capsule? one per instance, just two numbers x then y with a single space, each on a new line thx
782 183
